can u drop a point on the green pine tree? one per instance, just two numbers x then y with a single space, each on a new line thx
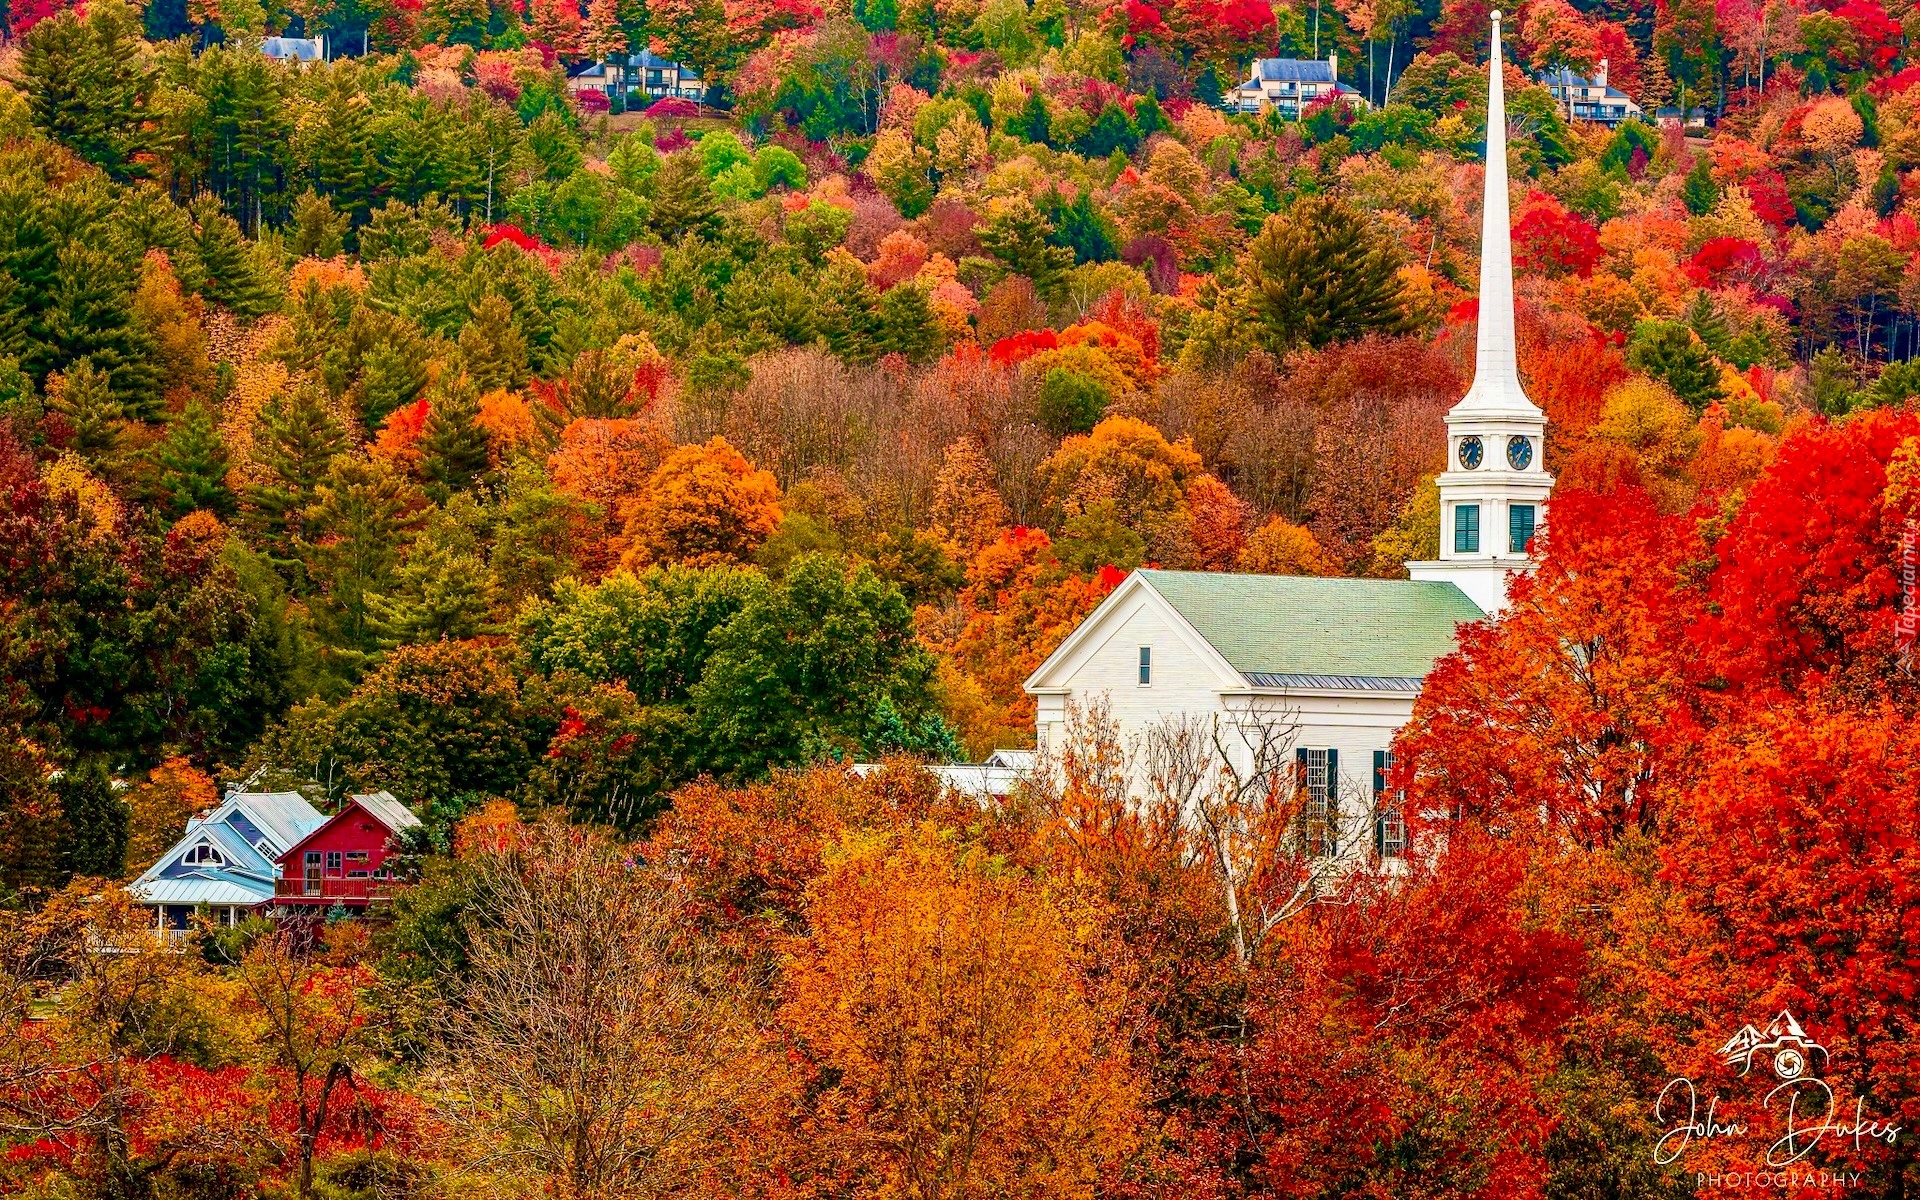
683 201
90 315
906 324
1698 190
1322 273
87 83
93 823
493 347
454 446
296 442
1033 123
849 313
318 231
235 276
1669 351
1020 237
339 147
440 591
193 464
1705 319
366 513
19 400
393 374
95 419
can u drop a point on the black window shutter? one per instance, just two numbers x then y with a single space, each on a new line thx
1379 773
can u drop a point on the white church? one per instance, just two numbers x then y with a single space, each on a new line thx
1336 663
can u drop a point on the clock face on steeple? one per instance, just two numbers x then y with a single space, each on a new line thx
1470 452
1519 452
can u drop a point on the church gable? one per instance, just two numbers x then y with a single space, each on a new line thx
1104 651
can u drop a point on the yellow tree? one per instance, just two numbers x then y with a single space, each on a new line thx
706 505
944 1002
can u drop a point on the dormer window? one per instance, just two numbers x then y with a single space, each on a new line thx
203 854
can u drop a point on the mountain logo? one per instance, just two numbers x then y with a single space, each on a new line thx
1782 1040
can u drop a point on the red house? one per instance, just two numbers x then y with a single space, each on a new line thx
345 860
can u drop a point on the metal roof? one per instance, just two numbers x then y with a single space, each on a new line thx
196 891
286 817
1306 627
297 49
1293 70
388 811
1568 79
1335 683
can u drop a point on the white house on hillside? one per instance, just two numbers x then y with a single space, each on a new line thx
1590 98
1291 85
1322 673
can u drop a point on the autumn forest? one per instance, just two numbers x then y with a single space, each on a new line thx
601 472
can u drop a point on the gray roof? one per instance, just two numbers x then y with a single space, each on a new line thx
1563 77
284 816
1308 632
218 890
1298 70
388 811
648 60
298 49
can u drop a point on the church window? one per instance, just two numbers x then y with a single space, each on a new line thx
1466 529
1146 666
1519 527
1319 801
1389 818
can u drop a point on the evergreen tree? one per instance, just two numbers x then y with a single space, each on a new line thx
235 277
339 147
363 513
1321 273
19 401
1148 117
492 346
849 313
1033 123
193 464
90 315
1019 235
318 231
87 83
296 441
1705 319
1112 130
1669 351
1085 228
906 324
1698 190
440 592
392 375
93 823
454 446
95 420
682 200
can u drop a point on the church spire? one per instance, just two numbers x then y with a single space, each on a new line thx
1496 374
1494 492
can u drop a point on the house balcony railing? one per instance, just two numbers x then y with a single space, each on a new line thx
335 888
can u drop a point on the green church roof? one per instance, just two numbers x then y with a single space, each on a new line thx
1304 631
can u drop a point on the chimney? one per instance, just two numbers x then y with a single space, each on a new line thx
1600 75
1333 64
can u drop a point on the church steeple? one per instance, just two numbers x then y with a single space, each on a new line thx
1494 491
